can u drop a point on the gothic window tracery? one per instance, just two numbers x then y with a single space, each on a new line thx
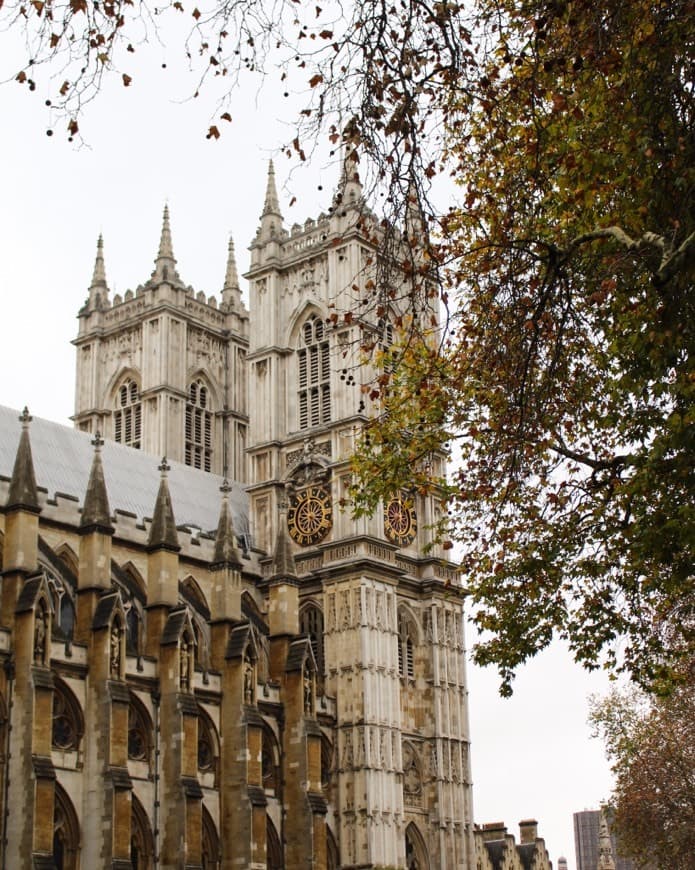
66 832
313 375
211 843
140 732
311 624
270 758
67 725
208 745
63 622
199 427
141 839
127 418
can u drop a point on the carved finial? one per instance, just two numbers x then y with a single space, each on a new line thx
272 204
349 185
97 441
163 532
23 492
231 292
165 263
166 248
99 274
226 552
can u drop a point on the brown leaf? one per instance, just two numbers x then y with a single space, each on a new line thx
55 39
213 133
126 80
315 80
226 116
72 127
196 13
21 76
78 6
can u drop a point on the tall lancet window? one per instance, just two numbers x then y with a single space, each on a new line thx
199 427
314 375
127 418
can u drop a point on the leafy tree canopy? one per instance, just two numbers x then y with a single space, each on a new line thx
651 746
561 383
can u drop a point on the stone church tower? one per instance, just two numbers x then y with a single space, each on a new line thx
267 683
163 369
392 635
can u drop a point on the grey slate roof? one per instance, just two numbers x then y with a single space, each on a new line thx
63 458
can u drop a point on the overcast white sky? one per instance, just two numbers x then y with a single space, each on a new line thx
532 755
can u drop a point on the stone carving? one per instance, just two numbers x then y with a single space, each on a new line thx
345 614
184 666
115 650
308 693
248 683
412 779
348 756
40 632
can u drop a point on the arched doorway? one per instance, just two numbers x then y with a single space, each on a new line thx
415 849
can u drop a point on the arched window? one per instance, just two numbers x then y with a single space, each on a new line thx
406 646
141 839
68 722
274 849
314 374
270 763
127 418
66 832
140 732
199 427
63 622
208 750
311 624
211 843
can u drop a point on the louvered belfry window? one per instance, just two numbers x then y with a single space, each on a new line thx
127 418
199 427
314 375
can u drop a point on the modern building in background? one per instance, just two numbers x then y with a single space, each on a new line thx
588 840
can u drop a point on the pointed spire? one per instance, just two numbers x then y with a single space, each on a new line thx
283 557
231 292
226 552
605 848
99 274
163 534
414 218
98 289
349 189
272 204
96 512
165 263
23 493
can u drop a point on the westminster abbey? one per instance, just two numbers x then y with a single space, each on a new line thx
206 662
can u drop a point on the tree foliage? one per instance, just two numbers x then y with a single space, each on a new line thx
561 384
651 746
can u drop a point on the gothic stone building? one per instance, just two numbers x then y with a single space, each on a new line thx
206 674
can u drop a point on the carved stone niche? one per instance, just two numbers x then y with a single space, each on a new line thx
309 465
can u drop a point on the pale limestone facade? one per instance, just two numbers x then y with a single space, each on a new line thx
240 698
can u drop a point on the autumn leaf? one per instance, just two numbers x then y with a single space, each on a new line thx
126 80
315 80
213 133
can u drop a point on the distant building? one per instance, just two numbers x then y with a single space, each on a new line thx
496 849
587 831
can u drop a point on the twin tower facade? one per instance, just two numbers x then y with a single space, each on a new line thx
298 675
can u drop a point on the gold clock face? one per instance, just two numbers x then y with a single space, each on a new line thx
400 520
310 516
